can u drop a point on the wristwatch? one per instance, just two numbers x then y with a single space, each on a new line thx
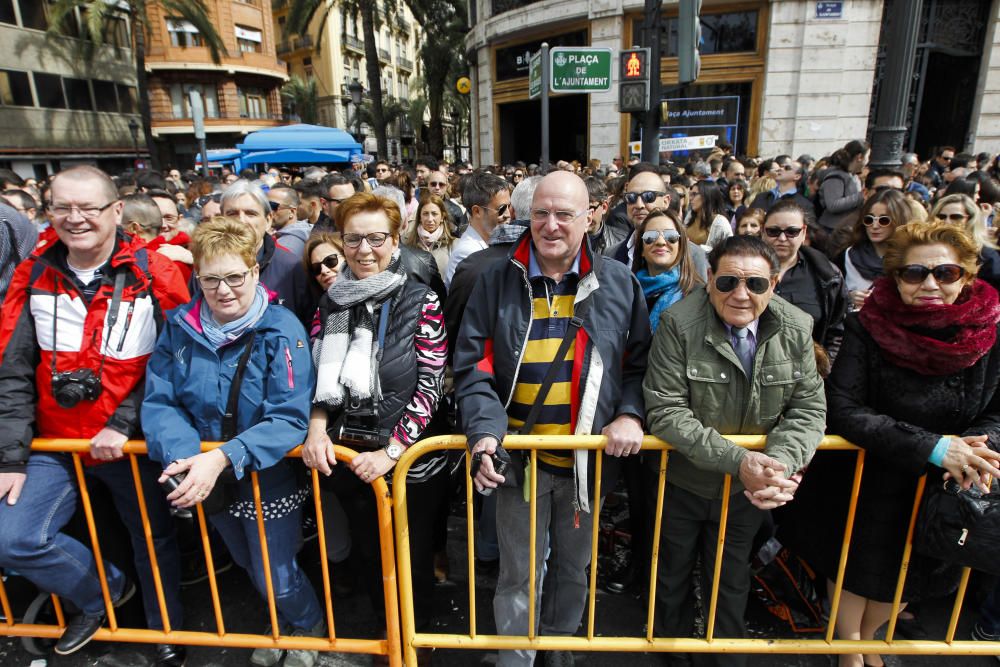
394 450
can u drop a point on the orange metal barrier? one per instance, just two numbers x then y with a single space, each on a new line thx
390 646
591 641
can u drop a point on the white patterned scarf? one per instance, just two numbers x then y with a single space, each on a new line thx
346 352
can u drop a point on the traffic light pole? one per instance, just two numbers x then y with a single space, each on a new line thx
651 119
545 106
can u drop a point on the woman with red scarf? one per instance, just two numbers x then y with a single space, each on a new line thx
920 361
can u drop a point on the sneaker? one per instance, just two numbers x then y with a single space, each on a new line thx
302 657
267 657
980 635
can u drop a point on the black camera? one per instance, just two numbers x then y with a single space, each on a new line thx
71 387
501 463
359 429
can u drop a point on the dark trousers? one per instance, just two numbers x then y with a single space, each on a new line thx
423 502
691 527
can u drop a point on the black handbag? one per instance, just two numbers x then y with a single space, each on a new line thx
960 526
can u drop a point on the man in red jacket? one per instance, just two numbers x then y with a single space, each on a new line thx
78 325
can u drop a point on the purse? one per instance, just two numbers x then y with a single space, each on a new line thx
960 526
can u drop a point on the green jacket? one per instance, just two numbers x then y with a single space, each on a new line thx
695 390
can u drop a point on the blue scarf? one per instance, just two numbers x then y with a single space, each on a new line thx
663 288
219 335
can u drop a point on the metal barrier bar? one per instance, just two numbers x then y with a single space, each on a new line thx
596 529
390 646
905 565
154 564
471 546
324 565
213 584
650 643
532 540
720 550
265 556
88 511
838 586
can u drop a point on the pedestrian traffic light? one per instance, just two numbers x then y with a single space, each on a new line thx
633 81
688 41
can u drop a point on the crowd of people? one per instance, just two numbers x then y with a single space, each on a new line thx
374 308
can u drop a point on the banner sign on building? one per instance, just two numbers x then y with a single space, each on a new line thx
687 143
700 117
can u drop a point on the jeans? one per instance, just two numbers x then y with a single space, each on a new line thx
562 603
294 596
31 542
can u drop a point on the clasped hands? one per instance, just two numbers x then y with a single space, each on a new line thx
767 482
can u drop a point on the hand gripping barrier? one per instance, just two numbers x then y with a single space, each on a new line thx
591 641
390 646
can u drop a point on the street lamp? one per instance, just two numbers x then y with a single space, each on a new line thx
133 127
356 91
456 119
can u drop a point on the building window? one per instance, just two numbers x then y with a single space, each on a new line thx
731 32
50 91
253 103
249 40
15 89
78 94
127 100
7 12
116 32
180 102
33 14
104 95
183 34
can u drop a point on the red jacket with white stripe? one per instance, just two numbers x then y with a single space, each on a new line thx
42 290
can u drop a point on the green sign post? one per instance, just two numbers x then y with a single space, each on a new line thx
581 69
535 76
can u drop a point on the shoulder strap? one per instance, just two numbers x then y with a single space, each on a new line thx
574 325
232 403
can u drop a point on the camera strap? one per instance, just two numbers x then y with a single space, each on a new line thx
232 403
529 423
116 300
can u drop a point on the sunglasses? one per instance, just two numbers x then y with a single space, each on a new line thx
880 220
500 210
331 261
649 196
671 236
755 284
789 232
952 217
945 274
438 184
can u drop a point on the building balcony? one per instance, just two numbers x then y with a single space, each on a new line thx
278 4
233 123
352 43
404 63
384 55
404 25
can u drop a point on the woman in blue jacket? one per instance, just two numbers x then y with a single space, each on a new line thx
232 335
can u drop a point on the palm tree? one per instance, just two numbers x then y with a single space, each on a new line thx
301 14
303 98
98 14
442 54
392 111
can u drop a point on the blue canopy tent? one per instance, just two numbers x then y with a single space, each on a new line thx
299 144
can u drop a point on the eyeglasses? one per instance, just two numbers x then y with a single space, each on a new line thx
649 196
210 283
755 284
880 220
437 184
86 212
331 261
671 236
594 205
170 219
500 210
952 217
789 232
375 239
945 274
542 215
275 206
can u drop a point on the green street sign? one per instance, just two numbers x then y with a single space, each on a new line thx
535 76
581 69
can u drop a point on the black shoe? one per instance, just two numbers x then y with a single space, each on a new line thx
168 655
194 571
911 628
79 631
487 568
558 659
621 581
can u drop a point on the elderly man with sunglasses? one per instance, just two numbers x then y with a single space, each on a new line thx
731 359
